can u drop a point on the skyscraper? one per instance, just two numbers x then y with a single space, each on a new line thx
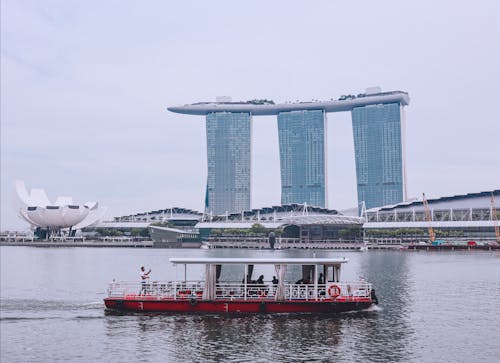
302 157
379 147
378 127
229 157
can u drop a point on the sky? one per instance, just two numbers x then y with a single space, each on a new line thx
85 86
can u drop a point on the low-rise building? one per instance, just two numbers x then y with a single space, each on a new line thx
459 217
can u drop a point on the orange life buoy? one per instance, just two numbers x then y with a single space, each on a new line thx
334 291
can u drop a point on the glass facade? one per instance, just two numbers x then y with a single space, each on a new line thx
302 157
229 156
379 154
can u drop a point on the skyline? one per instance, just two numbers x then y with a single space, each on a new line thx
83 94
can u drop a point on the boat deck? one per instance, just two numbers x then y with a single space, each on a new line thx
344 291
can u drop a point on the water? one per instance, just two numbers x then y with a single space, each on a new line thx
433 307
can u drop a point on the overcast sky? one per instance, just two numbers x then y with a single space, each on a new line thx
85 86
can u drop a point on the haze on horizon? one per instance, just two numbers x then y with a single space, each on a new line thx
85 86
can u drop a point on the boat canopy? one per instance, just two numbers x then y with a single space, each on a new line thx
258 261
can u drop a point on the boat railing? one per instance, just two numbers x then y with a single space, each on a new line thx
331 290
237 290
157 289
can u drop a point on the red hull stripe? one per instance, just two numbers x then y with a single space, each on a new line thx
232 306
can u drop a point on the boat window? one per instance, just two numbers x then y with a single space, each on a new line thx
332 273
329 273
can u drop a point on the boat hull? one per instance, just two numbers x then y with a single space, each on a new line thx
235 306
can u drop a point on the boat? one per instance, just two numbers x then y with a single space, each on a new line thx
320 290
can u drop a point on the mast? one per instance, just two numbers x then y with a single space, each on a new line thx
432 235
494 218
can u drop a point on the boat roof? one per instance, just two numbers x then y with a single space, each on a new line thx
259 261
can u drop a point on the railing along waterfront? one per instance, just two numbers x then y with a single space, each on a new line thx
236 290
281 243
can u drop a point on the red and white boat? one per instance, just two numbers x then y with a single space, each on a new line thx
319 291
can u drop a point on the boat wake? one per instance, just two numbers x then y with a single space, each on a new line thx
374 307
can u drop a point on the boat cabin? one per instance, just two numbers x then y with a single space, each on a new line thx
320 280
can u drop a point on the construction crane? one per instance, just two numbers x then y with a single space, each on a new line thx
494 218
427 211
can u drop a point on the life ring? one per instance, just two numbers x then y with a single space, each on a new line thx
193 302
334 291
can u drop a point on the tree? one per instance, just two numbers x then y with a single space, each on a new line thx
344 233
278 232
258 228
216 232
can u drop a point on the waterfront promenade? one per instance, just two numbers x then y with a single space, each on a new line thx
18 240
244 243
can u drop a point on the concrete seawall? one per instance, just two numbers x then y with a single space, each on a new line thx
86 243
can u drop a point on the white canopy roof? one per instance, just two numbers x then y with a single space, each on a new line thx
259 261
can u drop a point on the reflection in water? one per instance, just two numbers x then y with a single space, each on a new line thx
257 337
275 338
388 333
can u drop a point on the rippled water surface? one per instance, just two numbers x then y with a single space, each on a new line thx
433 307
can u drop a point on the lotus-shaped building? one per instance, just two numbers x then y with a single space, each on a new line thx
40 212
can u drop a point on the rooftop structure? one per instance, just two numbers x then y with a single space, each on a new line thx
259 261
269 108
272 213
161 215
469 200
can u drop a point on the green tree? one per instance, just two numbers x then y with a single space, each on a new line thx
278 232
258 228
216 232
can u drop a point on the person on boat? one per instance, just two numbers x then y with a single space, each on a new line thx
262 290
144 279
321 279
275 282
